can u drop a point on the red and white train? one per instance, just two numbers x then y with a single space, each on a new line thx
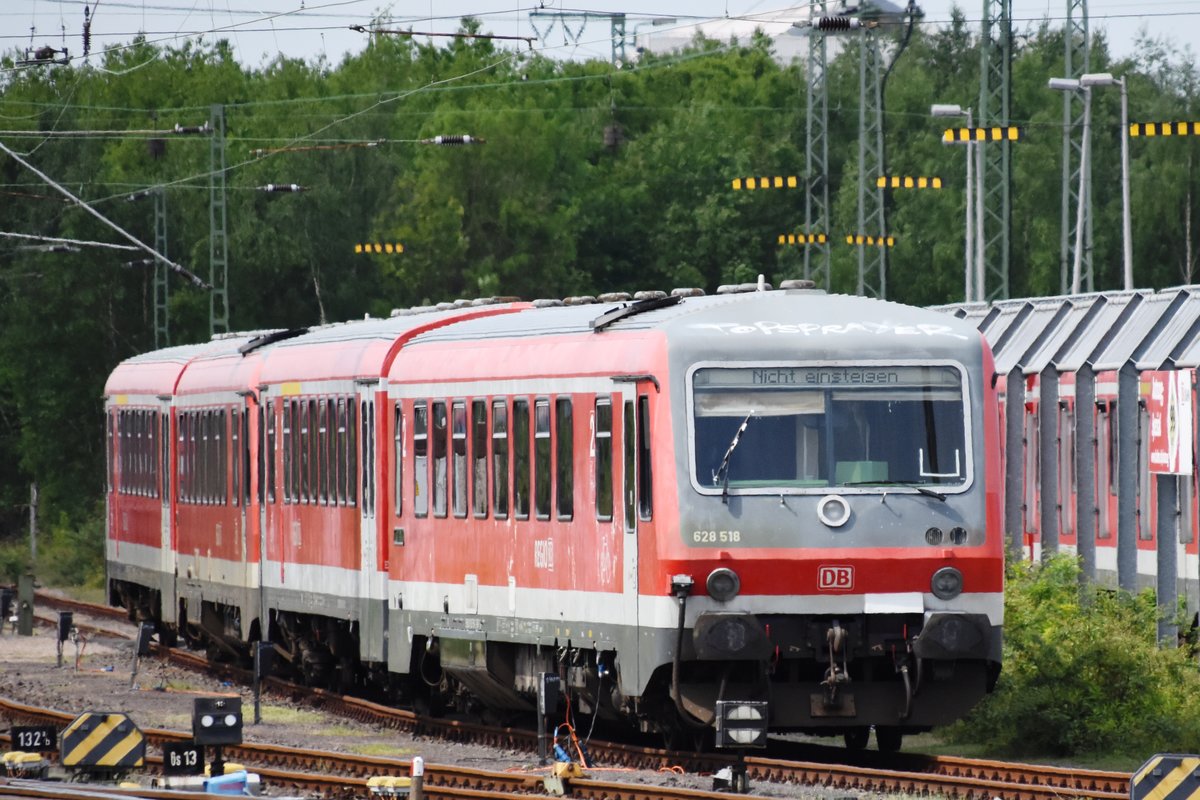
761 509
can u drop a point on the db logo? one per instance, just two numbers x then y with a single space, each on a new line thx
840 578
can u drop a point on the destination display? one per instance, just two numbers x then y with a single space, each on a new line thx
815 377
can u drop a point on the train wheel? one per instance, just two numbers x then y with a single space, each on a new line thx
888 739
856 738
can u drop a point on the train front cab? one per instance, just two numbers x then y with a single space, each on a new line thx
839 619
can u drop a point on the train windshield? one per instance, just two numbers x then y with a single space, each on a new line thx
808 427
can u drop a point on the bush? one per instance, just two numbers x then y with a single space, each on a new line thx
1083 673
69 554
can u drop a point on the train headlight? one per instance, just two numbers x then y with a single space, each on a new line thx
933 535
723 584
958 535
947 583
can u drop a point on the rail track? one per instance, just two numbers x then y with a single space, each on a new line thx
970 779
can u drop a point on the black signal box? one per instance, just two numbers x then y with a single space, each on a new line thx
217 720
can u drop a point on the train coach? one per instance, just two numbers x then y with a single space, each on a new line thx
697 511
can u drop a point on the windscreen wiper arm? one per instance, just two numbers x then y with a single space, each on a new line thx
723 470
925 490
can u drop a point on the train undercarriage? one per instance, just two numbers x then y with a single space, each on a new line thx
819 676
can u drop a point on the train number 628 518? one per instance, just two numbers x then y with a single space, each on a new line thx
716 537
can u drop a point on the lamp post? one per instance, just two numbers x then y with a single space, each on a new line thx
1106 79
974 221
1074 85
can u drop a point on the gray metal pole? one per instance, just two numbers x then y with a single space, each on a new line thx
1127 478
1014 412
1085 470
1048 458
1167 590
1126 223
971 294
1085 154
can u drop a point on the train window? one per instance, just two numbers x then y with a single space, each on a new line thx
630 449
1033 472
351 452
500 458
165 457
181 456
521 464
420 459
1103 467
604 459
108 451
564 472
797 428
644 473
206 447
458 433
440 470
270 454
305 448
221 465
337 451
245 415
1144 528
368 457
541 458
321 448
1066 470
398 456
236 463
261 466
288 450
479 458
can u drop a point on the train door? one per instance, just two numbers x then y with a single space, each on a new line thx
166 515
267 434
637 505
372 581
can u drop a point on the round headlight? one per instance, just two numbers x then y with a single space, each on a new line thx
947 583
723 584
958 535
933 535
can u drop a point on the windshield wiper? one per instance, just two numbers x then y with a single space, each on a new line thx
722 472
925 490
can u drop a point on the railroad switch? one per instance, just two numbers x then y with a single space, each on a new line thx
19 764
558 782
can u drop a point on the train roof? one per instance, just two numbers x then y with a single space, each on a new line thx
785 314
157 372
363 348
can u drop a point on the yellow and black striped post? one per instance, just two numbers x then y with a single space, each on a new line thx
1167 777
908 182
803 238
995 133
1149 129
775 182
379 247
861 240
103 741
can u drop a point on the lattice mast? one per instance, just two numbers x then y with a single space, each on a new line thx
1077 62
994 97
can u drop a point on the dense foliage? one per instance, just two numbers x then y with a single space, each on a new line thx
591 179
1083 673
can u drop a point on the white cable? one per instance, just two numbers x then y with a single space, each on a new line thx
142 245
68 241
